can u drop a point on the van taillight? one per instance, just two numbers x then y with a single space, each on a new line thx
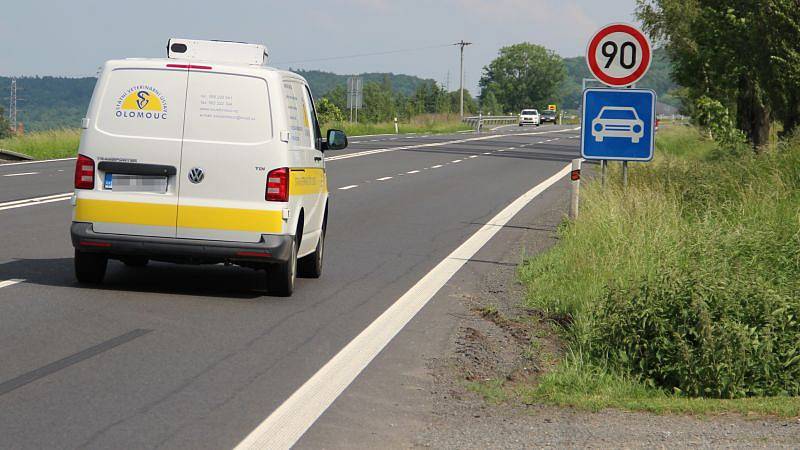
84 173
278 185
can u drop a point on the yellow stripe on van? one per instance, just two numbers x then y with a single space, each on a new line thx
230 219
307 181
134 213
154 214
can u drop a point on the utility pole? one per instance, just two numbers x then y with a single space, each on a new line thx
12 107
462 44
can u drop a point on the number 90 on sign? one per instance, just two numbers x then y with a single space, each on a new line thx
619 55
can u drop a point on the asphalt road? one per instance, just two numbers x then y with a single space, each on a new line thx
196 357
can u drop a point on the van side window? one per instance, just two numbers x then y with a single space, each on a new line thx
314 121
297 112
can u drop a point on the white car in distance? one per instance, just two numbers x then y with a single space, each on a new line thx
529 117
618 121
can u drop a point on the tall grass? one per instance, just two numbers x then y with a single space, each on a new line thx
688 281
59 143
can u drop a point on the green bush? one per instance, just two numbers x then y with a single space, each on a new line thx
689 280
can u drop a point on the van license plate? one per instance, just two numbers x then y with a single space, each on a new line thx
135 183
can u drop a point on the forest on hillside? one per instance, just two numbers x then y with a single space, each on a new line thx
58 102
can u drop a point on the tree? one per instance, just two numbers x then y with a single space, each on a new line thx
5 127
328 112
743 53
490 106
523 76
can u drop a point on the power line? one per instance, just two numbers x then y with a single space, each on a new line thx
361 55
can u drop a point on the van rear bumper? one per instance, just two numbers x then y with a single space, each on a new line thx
271 249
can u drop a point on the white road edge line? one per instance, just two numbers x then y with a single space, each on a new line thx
287 424
8 283
344 188
439 144
21 174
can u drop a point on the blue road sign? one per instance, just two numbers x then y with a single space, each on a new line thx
618 124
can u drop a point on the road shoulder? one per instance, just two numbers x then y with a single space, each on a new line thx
417 393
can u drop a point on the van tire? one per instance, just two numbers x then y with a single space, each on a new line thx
135 261
310 266
281 276
90 268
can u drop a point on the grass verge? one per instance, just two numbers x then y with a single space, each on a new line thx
426 123
63 143
51 144
681 292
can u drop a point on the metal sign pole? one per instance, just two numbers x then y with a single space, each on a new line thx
625 174
603 169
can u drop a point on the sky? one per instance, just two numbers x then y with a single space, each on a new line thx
54 37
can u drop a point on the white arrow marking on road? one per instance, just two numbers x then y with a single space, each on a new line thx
284 427
35 201
12 282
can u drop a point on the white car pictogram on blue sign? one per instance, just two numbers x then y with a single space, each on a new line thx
618 124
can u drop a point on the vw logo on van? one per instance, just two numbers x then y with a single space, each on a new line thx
196 175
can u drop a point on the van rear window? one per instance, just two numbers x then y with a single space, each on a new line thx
227 108
143 103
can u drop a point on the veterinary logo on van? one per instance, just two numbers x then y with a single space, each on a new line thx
142 102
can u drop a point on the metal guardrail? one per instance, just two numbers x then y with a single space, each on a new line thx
8 155
489 120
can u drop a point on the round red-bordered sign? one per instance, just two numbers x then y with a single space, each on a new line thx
609 36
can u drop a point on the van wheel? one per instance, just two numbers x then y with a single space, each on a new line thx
90 268
310 266
281 277
135 261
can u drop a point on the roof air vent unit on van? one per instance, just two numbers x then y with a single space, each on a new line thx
218 51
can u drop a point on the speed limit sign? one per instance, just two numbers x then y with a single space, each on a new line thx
619 55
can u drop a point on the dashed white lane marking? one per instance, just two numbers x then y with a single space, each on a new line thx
440 144
455 161
473 156
344 188
12 282
501 150
436 166
384 179
21 174
412 171
486 153
284 426
35 201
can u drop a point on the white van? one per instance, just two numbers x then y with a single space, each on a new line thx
204 157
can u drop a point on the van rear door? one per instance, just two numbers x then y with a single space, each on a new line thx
135 137
228 148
